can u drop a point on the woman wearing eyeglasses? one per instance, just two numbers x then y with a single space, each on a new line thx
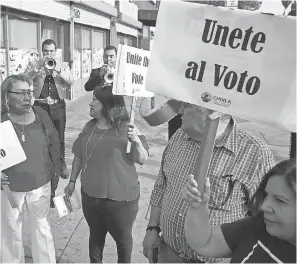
29 181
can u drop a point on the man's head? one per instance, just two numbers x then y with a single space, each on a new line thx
194 120
110 55
49 48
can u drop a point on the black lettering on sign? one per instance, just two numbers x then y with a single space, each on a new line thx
146 61
134 59
2 153
219 35
137 78
230 78
192 71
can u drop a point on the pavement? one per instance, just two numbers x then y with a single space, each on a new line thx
71 233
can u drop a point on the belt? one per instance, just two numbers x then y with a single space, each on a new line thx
48 101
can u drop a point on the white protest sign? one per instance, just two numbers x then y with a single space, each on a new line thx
130 72
233 61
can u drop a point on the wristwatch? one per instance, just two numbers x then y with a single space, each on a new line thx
154 227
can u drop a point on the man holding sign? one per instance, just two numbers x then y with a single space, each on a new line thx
238 163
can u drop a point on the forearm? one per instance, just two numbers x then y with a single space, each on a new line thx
76 168
155 216
140 154
197 228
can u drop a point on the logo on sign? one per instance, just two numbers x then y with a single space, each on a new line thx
221 101
206 97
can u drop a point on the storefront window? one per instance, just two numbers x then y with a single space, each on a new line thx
86 53
55 31
77 53
23 43
2 52
98 47
125 40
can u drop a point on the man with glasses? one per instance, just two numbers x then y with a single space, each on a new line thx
239 161
97 75
51 80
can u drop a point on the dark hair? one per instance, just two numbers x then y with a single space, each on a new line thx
113 106
286 169
49 42
6 86
111 48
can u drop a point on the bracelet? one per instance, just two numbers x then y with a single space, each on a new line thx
72 181
154 227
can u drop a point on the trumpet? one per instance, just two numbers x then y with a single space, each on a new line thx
108 76
50 63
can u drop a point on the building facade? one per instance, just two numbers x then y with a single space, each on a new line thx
81 29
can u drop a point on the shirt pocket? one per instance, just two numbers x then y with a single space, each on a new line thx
228 191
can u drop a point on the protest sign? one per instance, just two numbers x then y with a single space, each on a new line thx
233 61
130 72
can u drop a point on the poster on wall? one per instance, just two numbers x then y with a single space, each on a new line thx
20 59
2 64
86 63
76 65
97 58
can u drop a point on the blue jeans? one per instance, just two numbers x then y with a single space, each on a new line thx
116 217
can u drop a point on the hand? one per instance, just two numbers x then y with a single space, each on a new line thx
39 64
133 133
103 71
69 189
4 179
192 195
151 240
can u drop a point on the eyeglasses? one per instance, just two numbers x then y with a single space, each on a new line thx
23 93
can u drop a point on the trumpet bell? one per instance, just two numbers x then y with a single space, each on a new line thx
50 63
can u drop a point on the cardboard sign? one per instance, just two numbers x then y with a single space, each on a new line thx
130 72
233 61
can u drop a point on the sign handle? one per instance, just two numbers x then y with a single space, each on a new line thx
205 151
9 196
132 117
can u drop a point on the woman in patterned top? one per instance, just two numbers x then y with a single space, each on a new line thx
109 181
269 236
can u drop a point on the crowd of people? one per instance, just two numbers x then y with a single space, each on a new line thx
246 211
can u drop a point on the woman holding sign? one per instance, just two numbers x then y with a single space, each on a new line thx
110 188
269 236
32 180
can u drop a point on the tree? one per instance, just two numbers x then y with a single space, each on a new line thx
249 5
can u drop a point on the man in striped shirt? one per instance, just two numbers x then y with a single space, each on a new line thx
238 163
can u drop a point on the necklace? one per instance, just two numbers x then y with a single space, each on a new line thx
88 157
21 132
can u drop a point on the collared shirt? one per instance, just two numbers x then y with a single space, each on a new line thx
238 163
49 88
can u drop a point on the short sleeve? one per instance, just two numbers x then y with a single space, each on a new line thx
77 146
233 232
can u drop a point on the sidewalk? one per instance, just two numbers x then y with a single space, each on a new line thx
71 233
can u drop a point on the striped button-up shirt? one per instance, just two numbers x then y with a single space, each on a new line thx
238 163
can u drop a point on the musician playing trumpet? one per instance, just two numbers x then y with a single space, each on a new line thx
51 80
103 76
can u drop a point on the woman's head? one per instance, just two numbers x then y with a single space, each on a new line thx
276 197
16 94
108 106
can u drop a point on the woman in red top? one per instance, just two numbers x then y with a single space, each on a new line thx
109 181
269 236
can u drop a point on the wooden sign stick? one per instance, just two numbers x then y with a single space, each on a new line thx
9 196
205 151
132 117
